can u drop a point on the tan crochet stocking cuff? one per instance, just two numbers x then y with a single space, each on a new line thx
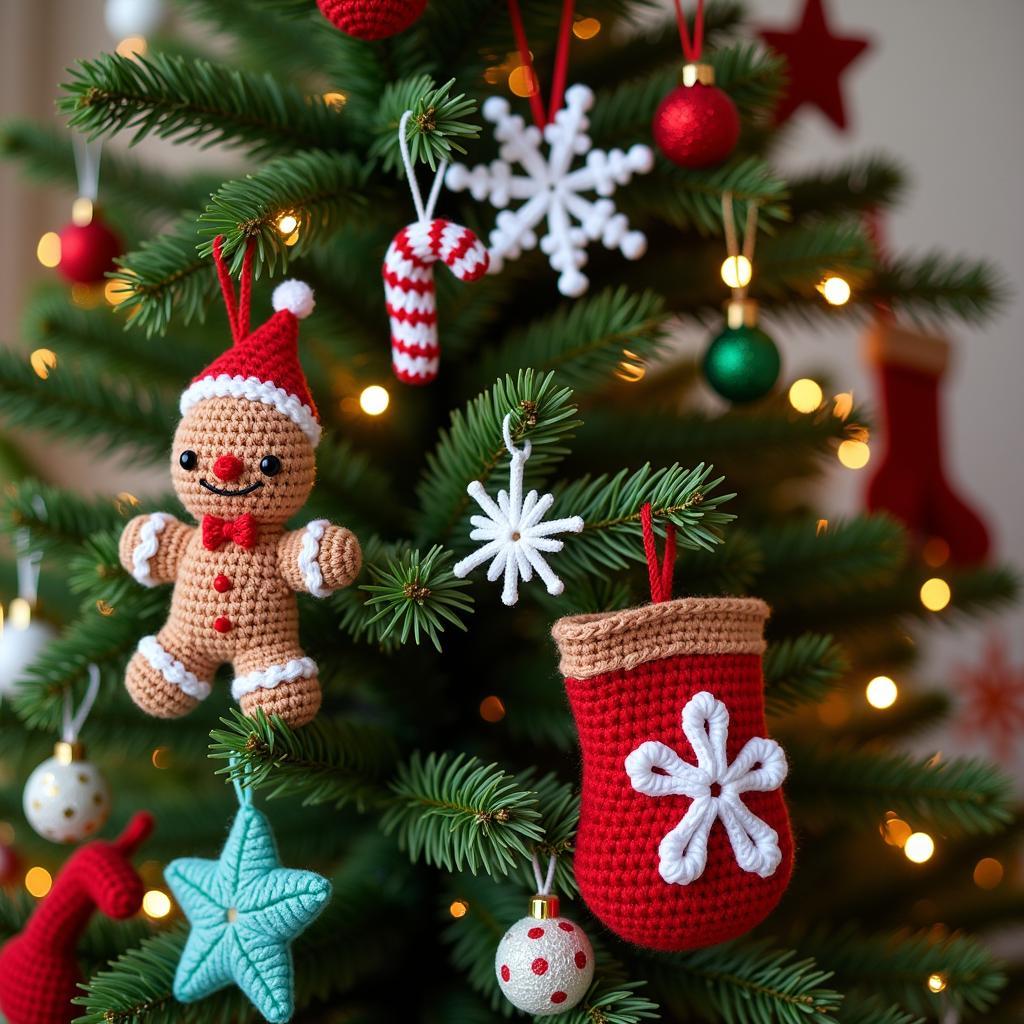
610 641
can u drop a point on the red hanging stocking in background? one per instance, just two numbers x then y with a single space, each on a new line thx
684 838
910 481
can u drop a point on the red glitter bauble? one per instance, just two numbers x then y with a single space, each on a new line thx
88 251
696 125
372 19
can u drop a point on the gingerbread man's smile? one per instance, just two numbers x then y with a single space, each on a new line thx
231 494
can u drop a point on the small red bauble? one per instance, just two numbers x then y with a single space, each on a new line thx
696 125
88 251
372 19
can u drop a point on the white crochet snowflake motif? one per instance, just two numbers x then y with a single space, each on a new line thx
552 190
715 787
514 530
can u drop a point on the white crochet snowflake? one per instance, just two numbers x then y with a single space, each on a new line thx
552 190
715 787
514 531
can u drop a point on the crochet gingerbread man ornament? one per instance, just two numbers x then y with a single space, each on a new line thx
684 839
242 464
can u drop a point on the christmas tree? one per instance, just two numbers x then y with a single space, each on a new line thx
444 761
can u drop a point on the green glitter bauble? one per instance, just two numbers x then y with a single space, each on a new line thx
742 364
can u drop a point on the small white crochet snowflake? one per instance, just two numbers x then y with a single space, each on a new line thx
552 190
514 531
715 787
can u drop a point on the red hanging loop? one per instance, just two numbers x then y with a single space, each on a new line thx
661 578
561 61
691 49
238 312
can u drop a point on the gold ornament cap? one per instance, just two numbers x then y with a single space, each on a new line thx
698 74
741 313
67 753
543 907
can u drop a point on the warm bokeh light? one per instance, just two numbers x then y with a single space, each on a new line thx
156 904
125 502
335 100
919 847
821 527
287 224
935 552
842 405
459 908
737 271
522 81
48 249
935 594
881 692
896 832
19 614
492 709
86 296
374 400
81 211
116 290
43 360
132 46
988 873
805 395
853 454
586 28
836 290
105 608
936 982
161 757
38 882
631 368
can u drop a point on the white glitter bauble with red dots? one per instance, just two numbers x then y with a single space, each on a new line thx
544 966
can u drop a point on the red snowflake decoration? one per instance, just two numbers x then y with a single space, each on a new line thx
993 699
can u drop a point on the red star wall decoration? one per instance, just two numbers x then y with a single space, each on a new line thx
816 59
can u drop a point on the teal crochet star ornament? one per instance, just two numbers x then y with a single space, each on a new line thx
244 909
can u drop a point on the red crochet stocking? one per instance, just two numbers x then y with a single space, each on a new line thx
911 480
684 839
39 972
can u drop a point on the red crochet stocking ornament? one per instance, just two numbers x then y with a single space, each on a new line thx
911 480
684 838
39 972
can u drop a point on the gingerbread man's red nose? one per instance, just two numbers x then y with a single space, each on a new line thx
228 468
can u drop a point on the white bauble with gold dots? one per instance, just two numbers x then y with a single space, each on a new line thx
66 798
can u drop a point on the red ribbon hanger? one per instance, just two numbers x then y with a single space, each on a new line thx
661 577
561 69
691 48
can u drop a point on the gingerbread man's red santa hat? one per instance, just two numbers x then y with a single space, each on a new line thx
262 366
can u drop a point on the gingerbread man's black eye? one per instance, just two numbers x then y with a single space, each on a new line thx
270 466
188 460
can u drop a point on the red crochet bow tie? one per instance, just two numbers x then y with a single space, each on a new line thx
242 531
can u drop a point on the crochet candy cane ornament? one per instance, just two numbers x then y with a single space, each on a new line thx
684 838
544 963
39 972
408 273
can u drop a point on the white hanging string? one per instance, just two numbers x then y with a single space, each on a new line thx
74 720
28 569
544 882
87 165
506 430
425 213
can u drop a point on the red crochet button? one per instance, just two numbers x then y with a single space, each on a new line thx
222 584
222 624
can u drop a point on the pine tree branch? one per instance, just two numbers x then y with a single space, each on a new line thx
795 259
458 813
802 670
897 966
190 99
333 761
859 185
437 124
747 983
957 795
471 447
416 595
610 507
584 341
71 401
47 155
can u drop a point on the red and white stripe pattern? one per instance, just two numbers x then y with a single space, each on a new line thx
410 292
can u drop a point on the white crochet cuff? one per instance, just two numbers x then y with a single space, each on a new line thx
309 558
146 548
274 675
172 670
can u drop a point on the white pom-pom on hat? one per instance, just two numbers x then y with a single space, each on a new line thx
295 296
